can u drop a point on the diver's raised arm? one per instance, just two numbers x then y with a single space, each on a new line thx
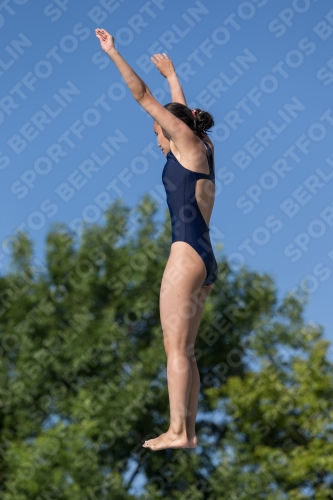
183 137
135 84
166 68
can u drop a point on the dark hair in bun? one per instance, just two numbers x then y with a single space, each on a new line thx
200 124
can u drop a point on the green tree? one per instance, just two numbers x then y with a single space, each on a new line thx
83 377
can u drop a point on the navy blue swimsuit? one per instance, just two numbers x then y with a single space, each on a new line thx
187 221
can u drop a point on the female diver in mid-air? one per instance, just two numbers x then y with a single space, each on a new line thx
191 270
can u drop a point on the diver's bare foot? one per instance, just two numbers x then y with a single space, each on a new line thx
170 440
192 442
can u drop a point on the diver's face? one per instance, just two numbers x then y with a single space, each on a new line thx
163 138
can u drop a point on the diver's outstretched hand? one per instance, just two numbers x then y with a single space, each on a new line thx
106 40
163 64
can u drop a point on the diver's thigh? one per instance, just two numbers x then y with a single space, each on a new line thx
180 288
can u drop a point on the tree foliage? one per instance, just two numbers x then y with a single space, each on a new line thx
83 377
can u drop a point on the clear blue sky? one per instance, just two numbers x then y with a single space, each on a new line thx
73 138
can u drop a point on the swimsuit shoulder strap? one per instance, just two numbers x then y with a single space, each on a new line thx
210 158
